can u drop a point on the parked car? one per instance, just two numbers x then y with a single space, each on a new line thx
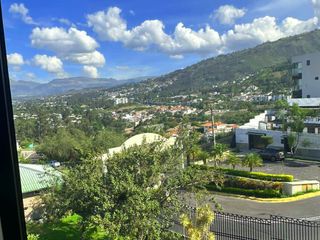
272 154
55 164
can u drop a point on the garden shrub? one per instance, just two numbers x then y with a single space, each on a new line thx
254 175
248 183
269 193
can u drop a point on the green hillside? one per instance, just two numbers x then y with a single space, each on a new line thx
265 58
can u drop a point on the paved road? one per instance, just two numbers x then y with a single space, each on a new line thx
304 170
299 209
308 209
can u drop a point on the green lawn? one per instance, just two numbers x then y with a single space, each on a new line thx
66 229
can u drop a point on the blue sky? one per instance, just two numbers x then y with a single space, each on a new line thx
123 39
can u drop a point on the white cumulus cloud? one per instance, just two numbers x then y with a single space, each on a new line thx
316 8
62 41
227 14
94 58
90 71
51 64
109 25
151 35
72 44
265 29
20 10
15 59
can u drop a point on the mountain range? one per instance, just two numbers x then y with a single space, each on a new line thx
235 66
58 86
268 63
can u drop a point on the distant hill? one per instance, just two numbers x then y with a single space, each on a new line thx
233 66
58 86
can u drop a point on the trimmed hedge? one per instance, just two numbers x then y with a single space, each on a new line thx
249 183
247 174
269 193
259 175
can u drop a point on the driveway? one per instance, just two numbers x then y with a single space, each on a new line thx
308 208
303 170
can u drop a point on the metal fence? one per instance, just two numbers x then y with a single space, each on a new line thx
234 226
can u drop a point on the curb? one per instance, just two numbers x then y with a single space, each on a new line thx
272 200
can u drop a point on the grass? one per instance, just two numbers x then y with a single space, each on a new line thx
67 228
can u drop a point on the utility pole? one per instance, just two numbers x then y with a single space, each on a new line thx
212 125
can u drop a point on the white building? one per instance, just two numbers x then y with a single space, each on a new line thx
118 101
306 74
248 136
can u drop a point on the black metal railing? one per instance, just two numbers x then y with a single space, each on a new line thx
233 226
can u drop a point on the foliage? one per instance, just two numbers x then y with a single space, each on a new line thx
252 160
66 145
249 183
219 153
254 175
65 228
260 175
292 142
203 156
296 117
188 141
247 192
133 195
199 228
267 140
33 237
106 139
305 143
233 160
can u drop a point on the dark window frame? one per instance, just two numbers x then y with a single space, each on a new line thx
11 213
308 62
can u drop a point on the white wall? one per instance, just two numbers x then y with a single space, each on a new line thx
309 85
242 136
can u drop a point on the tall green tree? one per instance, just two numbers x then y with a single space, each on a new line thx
296 117
252 160
233 160
66 145
188 141
133 194
219 153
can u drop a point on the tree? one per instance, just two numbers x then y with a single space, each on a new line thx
292 142
106 139
252 160
296 117
189 143
203 156
267 140
219 153
66 145
199 228
233 160
133 194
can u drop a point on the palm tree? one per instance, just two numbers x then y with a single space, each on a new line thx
233 160
219 153
203 156
252 160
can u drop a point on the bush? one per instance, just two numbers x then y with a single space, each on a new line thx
247 192
259 175
33 237
248 183
254 175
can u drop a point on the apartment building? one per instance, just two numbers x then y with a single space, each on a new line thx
306 75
